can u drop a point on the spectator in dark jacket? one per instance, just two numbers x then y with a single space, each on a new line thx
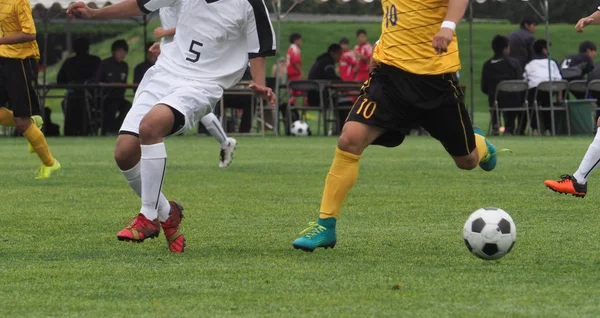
114 70
324 69
78 69
499 68
521 42
577 66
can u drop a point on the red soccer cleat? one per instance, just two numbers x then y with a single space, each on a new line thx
140 229
175 239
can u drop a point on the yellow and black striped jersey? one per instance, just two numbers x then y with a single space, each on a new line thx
407 31
16 16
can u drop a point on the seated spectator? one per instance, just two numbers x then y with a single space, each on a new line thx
536 72
324 69
348 62
78 69
114 70
140 69
279 71
577 66
499 68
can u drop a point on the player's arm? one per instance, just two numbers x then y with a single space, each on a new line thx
125 9
593 18
261 43
159 32
455 13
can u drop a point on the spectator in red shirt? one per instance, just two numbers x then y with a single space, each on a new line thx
294 59
363 51
348 62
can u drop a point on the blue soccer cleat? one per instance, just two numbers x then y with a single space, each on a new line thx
321 234
489 162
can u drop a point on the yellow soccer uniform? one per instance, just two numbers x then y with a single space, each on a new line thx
15 16
407 31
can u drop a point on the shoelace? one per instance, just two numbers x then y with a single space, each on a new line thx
313 230
488 156
564 178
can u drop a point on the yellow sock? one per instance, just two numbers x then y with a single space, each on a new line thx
6 117
341 178
482 148
37 140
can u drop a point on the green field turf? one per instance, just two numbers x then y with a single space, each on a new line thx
401 226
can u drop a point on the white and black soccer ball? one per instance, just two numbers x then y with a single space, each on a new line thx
490 233
300 128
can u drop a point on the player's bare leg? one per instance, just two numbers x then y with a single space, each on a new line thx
136 161
576 184
342 175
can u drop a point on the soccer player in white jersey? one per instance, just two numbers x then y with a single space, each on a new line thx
576 184
215 39
166 32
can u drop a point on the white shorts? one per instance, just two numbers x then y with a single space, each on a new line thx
191 98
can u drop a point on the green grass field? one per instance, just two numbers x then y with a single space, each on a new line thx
401 226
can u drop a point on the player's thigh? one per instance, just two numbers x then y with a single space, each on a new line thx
192 101
153 87
357 136
19 85
451 125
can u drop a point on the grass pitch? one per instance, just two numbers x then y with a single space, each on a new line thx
400 251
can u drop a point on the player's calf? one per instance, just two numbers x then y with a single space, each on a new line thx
468 162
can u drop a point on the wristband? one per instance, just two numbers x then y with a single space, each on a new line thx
449 25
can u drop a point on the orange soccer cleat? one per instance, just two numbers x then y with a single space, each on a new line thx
567 185
175 239
140 229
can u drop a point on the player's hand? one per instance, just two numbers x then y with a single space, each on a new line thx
442 39
159 32
155 48
583 23
263 92
79 10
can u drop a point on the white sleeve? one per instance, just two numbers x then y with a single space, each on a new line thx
260 35
149 6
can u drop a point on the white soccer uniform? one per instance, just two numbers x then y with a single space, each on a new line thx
209 53
168 20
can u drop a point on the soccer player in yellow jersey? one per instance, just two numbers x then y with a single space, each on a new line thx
19 54
414 82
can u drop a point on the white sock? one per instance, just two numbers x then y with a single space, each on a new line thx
213 125
590 161
153 166
134 179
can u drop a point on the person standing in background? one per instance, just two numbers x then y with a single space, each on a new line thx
521 42
294 58
364 52
348 62
114 70
78 69
19 54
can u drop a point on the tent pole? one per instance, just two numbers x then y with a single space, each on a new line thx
544 3
472 82
277 52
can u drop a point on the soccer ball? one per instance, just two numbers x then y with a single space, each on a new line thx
490 233
300 128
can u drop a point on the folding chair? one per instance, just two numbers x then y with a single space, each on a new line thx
578 87
593 89
305 87
514 87
547 88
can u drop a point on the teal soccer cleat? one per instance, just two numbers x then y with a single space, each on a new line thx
489 162
321 234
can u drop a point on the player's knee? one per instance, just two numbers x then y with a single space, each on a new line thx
469 162
127 157
148 130
352 144
22 124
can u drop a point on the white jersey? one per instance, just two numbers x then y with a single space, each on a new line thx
168 20
215 38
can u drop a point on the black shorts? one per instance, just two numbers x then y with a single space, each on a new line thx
397 101
18 79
